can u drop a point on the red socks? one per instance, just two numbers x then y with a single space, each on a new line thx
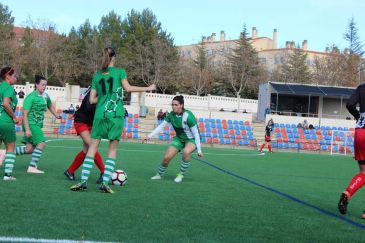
270 148
356 183
79 159
262 147
99 162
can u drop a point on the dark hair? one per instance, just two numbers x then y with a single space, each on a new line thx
180 99
37 79
108 53
6 71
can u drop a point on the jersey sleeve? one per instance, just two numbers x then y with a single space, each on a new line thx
123 74
28 101
191 120
94 83
168 118
48 100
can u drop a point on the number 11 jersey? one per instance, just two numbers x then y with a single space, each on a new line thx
107 84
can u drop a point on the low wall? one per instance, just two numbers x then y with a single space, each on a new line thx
314 121
211 103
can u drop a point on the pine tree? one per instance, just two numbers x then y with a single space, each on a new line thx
243 65
295 68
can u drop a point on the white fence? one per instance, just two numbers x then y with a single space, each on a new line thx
211 103
61 96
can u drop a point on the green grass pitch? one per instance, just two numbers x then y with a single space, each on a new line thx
237 196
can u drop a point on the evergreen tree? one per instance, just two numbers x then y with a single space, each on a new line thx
6 35
352 55
295 68
243 67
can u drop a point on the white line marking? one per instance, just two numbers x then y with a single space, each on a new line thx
34 240
54 140
154 151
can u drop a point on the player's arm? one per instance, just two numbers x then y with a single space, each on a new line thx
54 112
7 108
52 109
352 102
156 131
130 88
93 97
196 135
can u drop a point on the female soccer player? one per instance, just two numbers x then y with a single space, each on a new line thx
8 119
83 122
187 138
268 130
34 106
107 93
358 181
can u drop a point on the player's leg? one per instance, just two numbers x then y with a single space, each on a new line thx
269 146
9 161
358 180
80 157
87 165
262 146
169 154
185 162
109 166
36 155
356 183
7 135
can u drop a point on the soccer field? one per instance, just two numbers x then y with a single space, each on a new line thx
228 196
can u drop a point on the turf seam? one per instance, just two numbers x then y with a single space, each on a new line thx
287 196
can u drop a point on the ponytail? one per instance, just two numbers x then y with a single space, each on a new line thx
108 54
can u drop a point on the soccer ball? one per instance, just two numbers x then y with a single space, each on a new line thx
119 178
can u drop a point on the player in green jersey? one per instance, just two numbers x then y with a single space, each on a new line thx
8 102
107 93
187 138
34 106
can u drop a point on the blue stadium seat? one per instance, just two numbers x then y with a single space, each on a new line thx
230 126
245 142
235 122
200 120
230 122
241 123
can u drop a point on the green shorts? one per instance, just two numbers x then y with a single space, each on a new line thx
108 128
7 133
37 135
180 144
